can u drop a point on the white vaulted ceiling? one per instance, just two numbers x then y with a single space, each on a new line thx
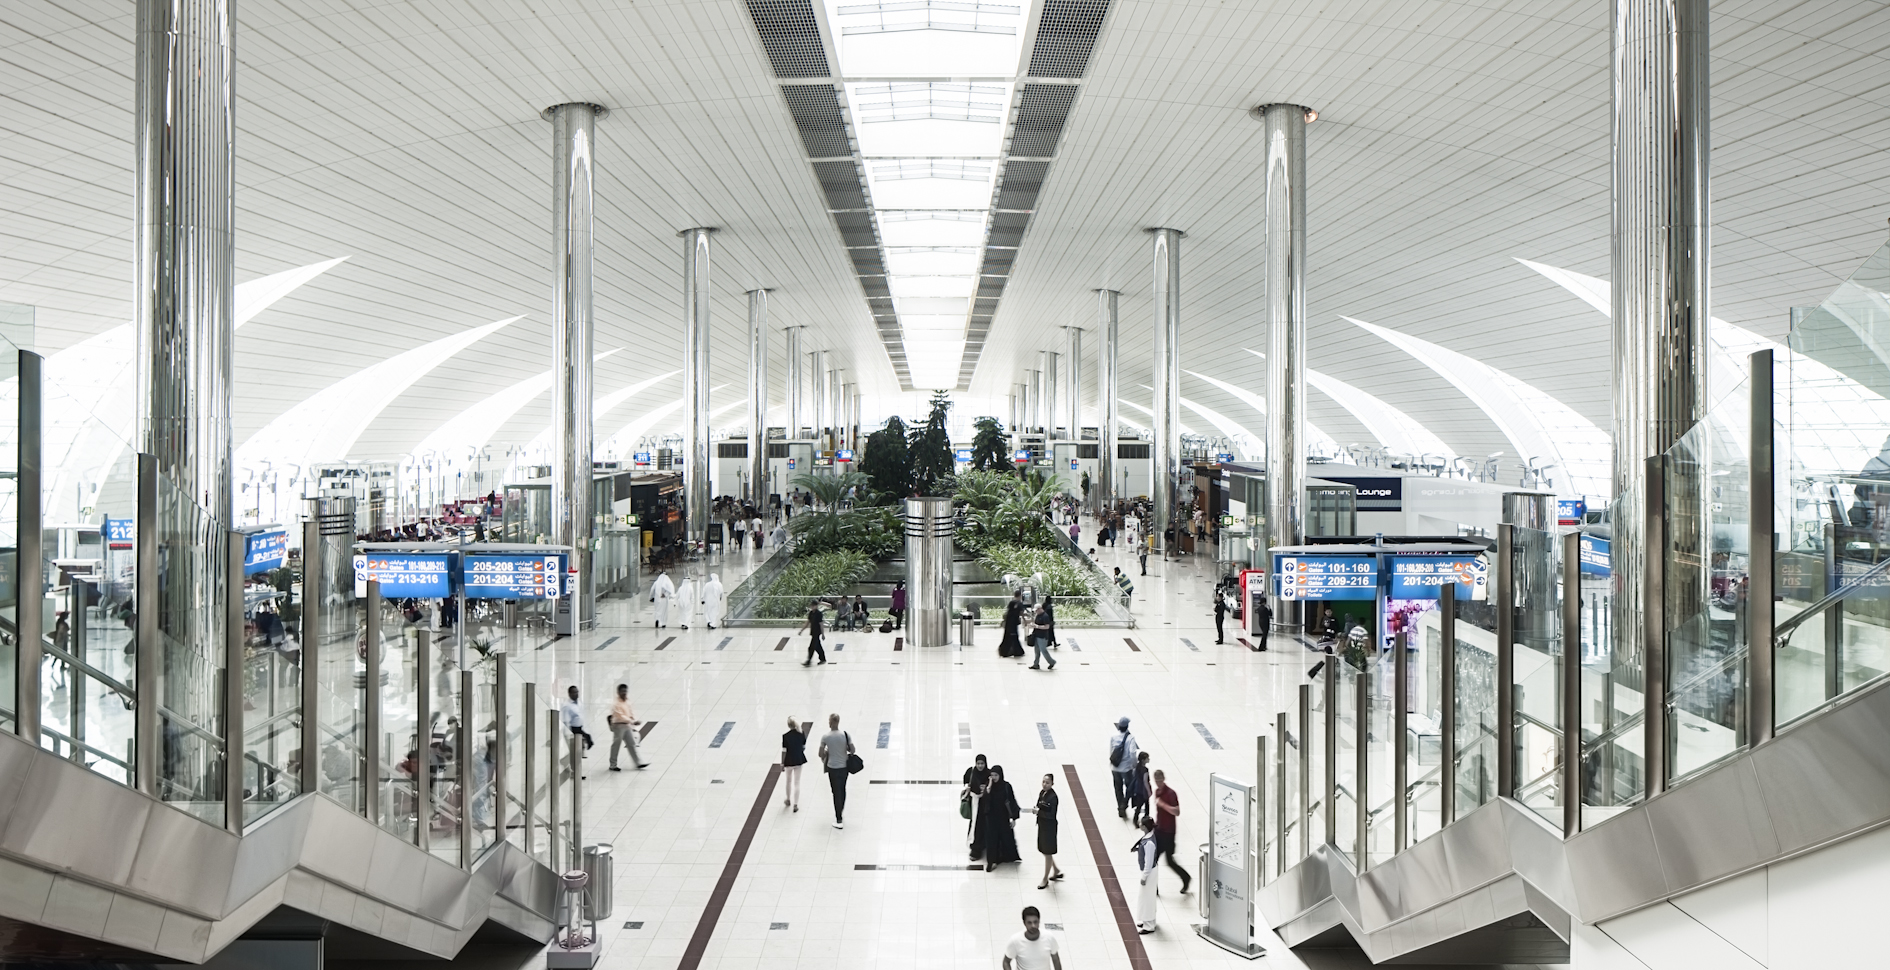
1453 140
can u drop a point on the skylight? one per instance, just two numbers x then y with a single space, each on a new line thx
930 148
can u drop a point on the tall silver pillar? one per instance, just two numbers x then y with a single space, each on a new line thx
757 395
793 391
1284 195
1106 407
696 466
1661 261
1047 362
929 569
572 325
1034 407
834 392
1073 379
185 276
816 396
1166 452
858 421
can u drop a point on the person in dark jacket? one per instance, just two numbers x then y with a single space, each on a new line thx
1046 812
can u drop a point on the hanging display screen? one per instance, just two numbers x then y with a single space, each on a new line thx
1424 577
402 574
513 577
1326 577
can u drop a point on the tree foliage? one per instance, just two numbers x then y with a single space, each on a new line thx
1003 508
874 530
990 449
888 462
931 449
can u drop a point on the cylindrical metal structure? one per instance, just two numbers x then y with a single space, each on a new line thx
185 288
1331 802
30 536
834 393
598 888
1282 815
371 708
1166 424
1306 755
1034 407
423 721
1073 380
1570 681
1660 271
1047 361
796 416
1284 228
757 396
310 693
575 746
1506 660
1106 407
1652 627
233 645
696 466
464 742
1401 743
572 325
1447 691
1762 546
1361 764
816 406
929 570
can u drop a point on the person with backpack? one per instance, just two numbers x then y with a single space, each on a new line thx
1146 855
1122 755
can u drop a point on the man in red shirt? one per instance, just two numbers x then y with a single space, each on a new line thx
1167 809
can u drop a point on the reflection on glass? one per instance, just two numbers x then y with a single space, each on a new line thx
16 333
1612 711
1537 559
272 688
192 576
1475 656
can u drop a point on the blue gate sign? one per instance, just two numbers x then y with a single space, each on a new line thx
1569 511
641 457
401 574
1423 577
496 577
1021 454
1326 577
120 533
1597 560
266 551
1224 458
844 454
962 456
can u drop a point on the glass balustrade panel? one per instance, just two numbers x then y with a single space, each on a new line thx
272 687
1537 561
16 334
1475 657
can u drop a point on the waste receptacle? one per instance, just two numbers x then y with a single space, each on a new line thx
597 893
967 621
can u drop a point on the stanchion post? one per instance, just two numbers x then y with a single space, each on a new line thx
1762 547
1304 818
1571 684
371 717
1401 743
1506 661
1279 793
1260 811
1332 749
1447 687
312 583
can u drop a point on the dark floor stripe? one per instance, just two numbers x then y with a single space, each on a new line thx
1118 904
607 643
899 643
645 730
863 867
712 913
1207 735
666 643
724 643
1189 644
839 646
885 734
1043 734
1131 644
722 735
782 645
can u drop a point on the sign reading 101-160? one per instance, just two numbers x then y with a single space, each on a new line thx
1327 577
513 577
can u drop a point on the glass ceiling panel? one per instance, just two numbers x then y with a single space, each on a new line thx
927 38
952 304
932 262
908 286
931 232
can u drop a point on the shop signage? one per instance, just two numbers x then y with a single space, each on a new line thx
1374 494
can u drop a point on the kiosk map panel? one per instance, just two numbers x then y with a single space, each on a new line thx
1326 577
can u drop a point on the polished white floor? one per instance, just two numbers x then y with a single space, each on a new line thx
798 901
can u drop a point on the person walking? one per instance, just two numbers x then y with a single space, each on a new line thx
1146 855
1046 812
1141 553
1122 752
793 756
623 729
1033 949
1139 788
1009 645
573 716
834 750
977 778
688 598
1220 617
714 600
1040 637
898 608
997 818
813 627
1265 616
1167 810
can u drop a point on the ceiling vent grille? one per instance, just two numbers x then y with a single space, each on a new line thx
840 181
1041 111
816 110
791 36
1022 182
1066 33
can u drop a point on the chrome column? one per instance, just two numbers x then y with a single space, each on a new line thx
816 410
1652 627
794 391
1762 547
1284 193
1047 362
572 326
1661 267
1506 660
1570 677
1167 421
1401 743
834 411
1106 413
371 715
30 566
184 273
929 569
310 695
757 395
696 466
234 552
1447 690
1034 408
1073 377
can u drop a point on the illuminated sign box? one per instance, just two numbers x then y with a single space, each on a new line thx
503 577
403 574
1424 577
1326 577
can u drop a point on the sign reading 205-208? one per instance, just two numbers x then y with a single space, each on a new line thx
1327 577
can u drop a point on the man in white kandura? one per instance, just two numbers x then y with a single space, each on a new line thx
714 601
661 593
688 598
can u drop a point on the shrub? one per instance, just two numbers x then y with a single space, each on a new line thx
811 576
1062 575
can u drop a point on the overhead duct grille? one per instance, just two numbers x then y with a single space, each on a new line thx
1041 112
816 110
791 36
840 180
1022 182
1066 33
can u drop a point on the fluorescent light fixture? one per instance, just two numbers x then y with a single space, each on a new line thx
931 232
925 326
932 262
932 286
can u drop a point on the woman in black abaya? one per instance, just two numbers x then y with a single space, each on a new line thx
997 813
1010 645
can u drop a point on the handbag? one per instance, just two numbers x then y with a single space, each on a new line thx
854 764
964 806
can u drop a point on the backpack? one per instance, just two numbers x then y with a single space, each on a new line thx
1116 750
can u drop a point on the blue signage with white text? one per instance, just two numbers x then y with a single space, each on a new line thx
1326 577
266 551
1021 454
1569 511
962 456
401 574
1424 577
503 577
1597 560
120 533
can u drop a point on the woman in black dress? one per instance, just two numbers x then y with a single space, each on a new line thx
1046 812
997 813
793 756
1010 645
977 778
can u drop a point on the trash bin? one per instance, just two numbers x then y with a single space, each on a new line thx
967 622
597 893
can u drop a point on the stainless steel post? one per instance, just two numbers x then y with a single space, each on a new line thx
1107 417
1051 391
1652 625
147 726
1035 408
1661 268
1332 750
1506 661
463 743
1761 548
1401 743
528 745
1260 812
816 396
834 409
1447 687
1571 683
1280 813
1833 618
1073 371
1283 133
929 569
423 741
572 326
371 713
795 393
696 467
235 554
501 752
555 759
313 581
1305 817
1361 748
30 570
577 802
1167 405
757 395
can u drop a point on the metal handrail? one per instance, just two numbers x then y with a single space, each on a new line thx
1783 630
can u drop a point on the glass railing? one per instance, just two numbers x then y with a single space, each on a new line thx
1612 712
1537 561
1474 772
16 334
272 689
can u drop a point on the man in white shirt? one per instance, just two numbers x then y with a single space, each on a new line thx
574 718
1032 949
